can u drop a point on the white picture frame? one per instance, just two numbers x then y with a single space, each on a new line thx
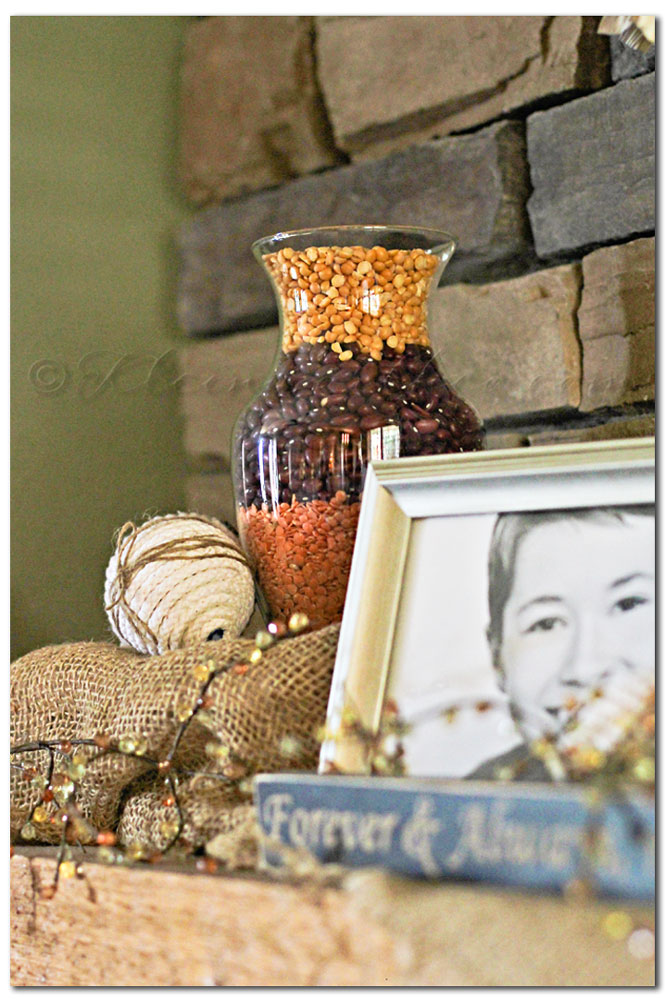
393 629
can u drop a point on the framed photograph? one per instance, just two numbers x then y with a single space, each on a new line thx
494 597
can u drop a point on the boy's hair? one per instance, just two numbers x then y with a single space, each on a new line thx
509 530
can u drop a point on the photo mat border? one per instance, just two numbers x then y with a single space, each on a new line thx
400 491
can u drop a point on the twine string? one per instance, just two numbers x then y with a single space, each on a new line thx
171 550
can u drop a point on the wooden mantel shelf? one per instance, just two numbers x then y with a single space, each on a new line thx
172 927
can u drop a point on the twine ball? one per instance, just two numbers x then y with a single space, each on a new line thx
176 581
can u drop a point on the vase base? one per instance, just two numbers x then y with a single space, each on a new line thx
303 553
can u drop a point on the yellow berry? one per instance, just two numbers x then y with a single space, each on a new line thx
67 869
298 622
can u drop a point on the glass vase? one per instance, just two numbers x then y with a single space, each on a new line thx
354 380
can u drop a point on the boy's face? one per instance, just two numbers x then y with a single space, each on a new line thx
581 611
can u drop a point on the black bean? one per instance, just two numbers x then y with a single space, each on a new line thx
340 383
369 372
336 400
427 426
344 420
371 422
360 395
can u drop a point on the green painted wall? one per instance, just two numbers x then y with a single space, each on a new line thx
95 208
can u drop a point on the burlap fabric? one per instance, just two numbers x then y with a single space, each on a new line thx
268 717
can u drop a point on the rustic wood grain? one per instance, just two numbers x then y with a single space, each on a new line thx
149 927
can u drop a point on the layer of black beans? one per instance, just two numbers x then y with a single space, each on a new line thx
320 412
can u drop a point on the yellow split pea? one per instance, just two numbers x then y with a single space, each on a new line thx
353 295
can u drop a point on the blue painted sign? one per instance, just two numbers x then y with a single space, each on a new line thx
536 836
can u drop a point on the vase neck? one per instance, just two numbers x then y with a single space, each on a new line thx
353 295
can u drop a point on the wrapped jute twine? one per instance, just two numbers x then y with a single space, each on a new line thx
267 716
176 581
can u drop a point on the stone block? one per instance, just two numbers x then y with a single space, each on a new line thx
512 347
251 110
593 168
474 186
618 428
219 376
627 62
388 81
617 325
617 370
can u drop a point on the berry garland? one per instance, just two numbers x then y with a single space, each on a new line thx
67 766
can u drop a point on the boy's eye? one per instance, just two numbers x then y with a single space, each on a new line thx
545 624
628 603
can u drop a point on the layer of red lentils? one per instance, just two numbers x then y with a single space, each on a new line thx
303 555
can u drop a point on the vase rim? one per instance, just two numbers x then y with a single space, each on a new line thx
438 240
